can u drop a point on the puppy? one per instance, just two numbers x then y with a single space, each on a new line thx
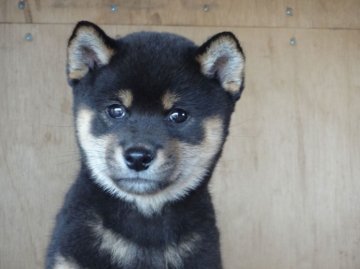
152 113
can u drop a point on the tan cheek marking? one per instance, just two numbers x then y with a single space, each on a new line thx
86 37
62 263
200 155
168 100
83 124
83 121
87 140
94 147
126 97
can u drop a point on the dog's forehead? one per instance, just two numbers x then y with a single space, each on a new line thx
152 56
151 65
154 44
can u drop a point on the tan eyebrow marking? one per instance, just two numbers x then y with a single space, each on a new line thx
169 99
126 97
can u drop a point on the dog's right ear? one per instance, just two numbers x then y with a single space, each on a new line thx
222 58
88 48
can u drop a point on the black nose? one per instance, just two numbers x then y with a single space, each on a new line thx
138 159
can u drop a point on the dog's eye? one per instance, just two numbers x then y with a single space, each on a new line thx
178 115
116 111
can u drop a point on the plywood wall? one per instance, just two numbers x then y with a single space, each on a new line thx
287 189
251 13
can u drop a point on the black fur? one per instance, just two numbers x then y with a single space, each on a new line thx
149 64
73 239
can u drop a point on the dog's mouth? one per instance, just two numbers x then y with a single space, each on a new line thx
141 186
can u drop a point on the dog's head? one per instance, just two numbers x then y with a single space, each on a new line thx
152 110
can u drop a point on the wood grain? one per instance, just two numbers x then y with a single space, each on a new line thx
9 12
286 190
293 156
38 155
249 13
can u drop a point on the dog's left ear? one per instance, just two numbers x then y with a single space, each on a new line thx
222 58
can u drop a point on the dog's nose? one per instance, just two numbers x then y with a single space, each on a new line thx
138 159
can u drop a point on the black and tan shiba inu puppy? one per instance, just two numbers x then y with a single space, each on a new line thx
152 112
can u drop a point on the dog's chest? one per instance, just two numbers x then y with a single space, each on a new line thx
130 255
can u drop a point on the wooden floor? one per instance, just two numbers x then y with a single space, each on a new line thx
287 189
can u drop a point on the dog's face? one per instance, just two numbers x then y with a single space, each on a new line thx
152 110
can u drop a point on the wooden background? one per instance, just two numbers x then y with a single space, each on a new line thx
287 189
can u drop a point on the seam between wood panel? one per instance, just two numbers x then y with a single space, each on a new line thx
220 27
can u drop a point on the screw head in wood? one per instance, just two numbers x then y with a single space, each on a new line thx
114 8
293 41
206 8
28 37
21 4
289 11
